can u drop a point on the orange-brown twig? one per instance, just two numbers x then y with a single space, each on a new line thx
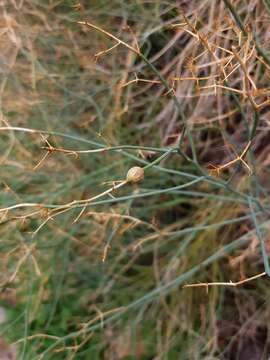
238 158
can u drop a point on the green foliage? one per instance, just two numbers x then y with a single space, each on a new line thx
93 266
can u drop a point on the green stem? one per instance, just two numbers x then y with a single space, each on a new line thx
241 26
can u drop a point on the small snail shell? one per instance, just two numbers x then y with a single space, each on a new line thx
135 174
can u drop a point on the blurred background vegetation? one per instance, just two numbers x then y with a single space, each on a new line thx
187 97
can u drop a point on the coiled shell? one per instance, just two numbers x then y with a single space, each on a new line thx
135 174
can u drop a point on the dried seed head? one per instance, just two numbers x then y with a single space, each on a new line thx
135 174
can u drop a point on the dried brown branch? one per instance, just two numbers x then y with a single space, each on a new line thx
230 283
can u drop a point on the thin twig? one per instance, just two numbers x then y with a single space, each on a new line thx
230 283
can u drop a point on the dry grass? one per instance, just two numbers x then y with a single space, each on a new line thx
93 266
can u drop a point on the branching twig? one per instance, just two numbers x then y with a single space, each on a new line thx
238 158
230 283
